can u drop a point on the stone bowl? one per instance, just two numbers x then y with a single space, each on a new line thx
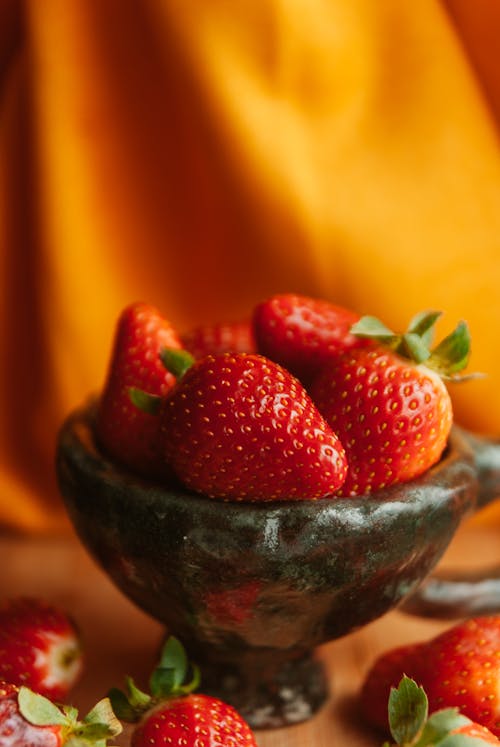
253 588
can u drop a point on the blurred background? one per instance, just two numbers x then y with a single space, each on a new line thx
201 156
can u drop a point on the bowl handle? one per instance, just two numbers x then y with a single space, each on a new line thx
452 595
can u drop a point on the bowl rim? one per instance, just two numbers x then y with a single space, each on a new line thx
76 441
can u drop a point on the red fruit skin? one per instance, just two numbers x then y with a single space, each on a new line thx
126 433
226 337
193 721
385 673
393 418
302 333
240 427
40 647
462 669
15 731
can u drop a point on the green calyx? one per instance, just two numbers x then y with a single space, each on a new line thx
174 676
411 726
99 725
177 362
448 358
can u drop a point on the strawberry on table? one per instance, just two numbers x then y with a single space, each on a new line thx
28 719
389 403
39 647
174 714
458 668
127 433
239 426
410 725
384 674
462 669
302 333
223 337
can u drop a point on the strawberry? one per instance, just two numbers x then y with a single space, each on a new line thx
302 333
410 726
126 432
392 413
28 719
458 668
174 714
39 647
240 427
384 674
225 337
462 669
195 719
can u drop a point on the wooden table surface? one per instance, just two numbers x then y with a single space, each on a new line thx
120 639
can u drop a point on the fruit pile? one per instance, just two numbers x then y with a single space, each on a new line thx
454 677
305 400
41 660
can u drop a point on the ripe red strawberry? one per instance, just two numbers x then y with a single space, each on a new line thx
458 668
193 720
410 727
462 669
39 647
126 432
226 337
384 674
28 719
302 333
238 426
173 714
392 414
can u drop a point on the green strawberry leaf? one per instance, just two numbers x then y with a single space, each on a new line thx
176 361
74 741
440 724
122 707
171 672
38 710
162 682
413 347
173 656
407 711
102 714
148 403
370 326
136 697
129 705
193 683
452 353
94 732
461 740
71 712
423 324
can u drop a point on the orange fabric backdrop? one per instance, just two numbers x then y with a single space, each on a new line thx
203 155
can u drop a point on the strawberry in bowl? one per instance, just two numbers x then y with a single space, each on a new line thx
243 539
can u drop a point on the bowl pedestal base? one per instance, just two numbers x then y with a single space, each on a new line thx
269 688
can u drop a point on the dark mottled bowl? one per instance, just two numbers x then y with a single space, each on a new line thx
252 589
